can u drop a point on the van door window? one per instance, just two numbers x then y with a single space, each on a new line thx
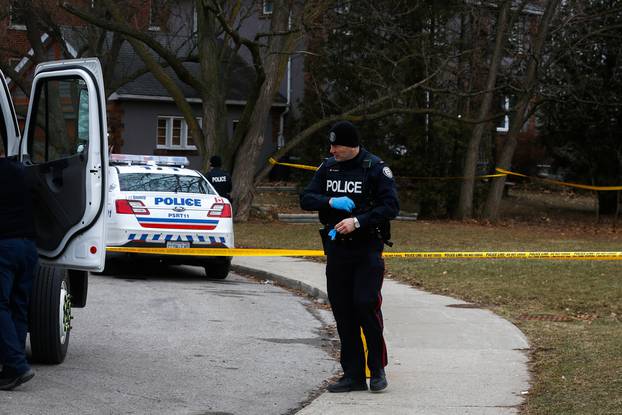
61 125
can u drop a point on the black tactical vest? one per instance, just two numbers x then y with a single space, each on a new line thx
351 181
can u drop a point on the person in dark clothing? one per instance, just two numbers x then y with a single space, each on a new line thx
219 178
18 259
355 195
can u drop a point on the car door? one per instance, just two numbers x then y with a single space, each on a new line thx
64 150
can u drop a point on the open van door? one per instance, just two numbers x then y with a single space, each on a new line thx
64 151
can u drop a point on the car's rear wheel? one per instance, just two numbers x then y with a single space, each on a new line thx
50 315
110 267
218 269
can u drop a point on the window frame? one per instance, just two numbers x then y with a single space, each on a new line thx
153 24
265 11
342 6
14 26
505 127
168 138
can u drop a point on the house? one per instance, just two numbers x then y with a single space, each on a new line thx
143 118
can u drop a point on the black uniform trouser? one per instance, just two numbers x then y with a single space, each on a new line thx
354 274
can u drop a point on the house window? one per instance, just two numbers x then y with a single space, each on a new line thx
518 35
155 9
267 6
16 18
173 134
504 125
342 6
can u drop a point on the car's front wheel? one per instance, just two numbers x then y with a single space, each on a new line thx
218 269
50 315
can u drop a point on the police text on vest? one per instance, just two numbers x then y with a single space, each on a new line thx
345 186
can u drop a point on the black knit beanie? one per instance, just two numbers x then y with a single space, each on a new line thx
344 133
215 161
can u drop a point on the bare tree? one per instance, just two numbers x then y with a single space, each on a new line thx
526 96
504 20
45 24
219 37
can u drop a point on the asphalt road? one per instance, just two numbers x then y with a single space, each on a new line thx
169 341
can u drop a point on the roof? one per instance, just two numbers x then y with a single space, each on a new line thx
240 80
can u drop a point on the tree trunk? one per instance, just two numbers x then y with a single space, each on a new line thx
465 204
214 111
275 63
246 156
607 203
493 201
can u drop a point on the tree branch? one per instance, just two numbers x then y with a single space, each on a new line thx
182 73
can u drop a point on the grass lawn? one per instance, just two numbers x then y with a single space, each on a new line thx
576 363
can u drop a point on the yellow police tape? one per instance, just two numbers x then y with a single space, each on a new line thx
312 168
501 173
557 182
566 255
297 166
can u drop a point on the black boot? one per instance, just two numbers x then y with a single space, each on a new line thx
346 384
9 381
378 381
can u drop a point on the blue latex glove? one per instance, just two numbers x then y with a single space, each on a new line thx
342 203
333 234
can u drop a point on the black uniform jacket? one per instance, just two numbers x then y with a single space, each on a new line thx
365 179
221 180
16 210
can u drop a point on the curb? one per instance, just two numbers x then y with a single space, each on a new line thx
285 281
299 217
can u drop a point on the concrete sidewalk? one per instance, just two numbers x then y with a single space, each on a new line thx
443 359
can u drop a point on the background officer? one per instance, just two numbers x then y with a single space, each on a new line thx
355 195
18 258
219 178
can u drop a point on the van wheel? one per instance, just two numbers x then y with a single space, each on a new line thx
218 270
50 315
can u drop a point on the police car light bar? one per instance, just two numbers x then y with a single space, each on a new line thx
130 159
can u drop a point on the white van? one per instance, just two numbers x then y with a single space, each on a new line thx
65 151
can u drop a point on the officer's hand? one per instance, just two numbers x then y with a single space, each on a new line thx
341 203
345 226
333 234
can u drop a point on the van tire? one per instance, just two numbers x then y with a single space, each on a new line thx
50 315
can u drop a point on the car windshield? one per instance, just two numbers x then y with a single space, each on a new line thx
159 182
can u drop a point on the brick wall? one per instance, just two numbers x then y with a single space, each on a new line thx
115 126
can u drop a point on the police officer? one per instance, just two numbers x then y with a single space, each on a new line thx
355 195
220 179
18 258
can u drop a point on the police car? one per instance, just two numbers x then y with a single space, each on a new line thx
155 201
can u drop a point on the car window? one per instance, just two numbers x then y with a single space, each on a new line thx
160 182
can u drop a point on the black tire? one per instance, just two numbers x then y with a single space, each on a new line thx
110 267
50 315
218 269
